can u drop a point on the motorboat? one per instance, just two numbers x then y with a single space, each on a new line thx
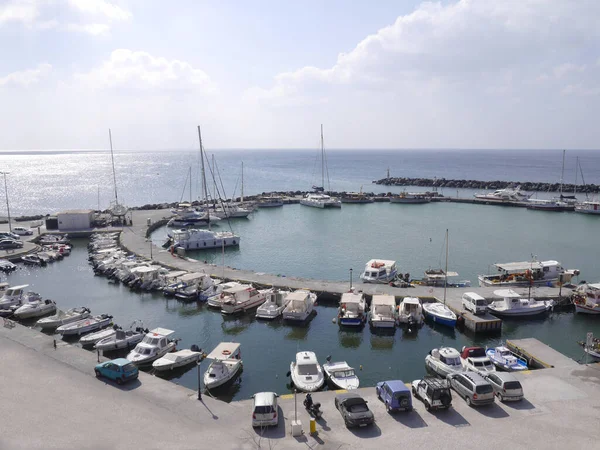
215 300
383 313
509 194
193 285
275 303
444 361
587 299
306 372
6 266
410 198
154 345
34 260
549 205
37 308
439 278
122 339
379 271
63 317
86 325
356 197
352 311
591 348
271 201
504 359
194 239
89 340
227 211
340 375
225 366
240 299
475 359
588 207
527 273
319 200
512 305
300 306
439 313
410 312
177 359
12 296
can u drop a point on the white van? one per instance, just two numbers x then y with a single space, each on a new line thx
474 302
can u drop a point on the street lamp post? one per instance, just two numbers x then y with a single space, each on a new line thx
199 381
7 205
350 279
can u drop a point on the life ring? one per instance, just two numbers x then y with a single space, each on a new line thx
226 352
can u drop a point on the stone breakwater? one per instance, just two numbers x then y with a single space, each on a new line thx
491 185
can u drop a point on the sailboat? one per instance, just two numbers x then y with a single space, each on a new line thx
560 203
438 312
116 209
318 198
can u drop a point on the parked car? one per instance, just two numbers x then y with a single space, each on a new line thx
395 395
119 370
9 235
354 410
22 231
475 389
10 243
433 392
264 412
506 386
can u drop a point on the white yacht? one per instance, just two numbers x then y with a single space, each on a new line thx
383 311
306 372
526 273
320 200
352 311
85 325
379 271
62 318
444 361
194 239
300 305
275 303
512 305
475 360
508 194
177 359
12 296
155 344
229 211
340 375
588 207
215 299
121 339
242 298
226 364
36 308
410 312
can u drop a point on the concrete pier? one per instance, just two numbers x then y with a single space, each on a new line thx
539 355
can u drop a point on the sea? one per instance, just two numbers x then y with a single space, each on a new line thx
324 244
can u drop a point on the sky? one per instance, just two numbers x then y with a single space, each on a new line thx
472 74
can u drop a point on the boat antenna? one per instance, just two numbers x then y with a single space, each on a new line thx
242 196
446 274
576 167
204 177
322 159
562 173
112 158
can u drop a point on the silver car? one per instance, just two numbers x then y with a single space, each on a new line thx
475 389
506 386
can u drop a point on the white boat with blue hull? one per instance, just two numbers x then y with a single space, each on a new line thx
439 313
379 271
504 359
352 311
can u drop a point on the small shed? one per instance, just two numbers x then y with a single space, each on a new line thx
75 219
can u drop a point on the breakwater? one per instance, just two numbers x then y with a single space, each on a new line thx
497 184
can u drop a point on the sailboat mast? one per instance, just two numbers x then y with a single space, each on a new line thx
190 185
112 158
576 167
562 173
242 197
204 177
446 270
322 160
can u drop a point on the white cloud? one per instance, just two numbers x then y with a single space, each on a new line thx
101 7
141 70
89 28
26 77
19 11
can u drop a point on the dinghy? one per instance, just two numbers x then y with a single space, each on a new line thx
62 318
85 326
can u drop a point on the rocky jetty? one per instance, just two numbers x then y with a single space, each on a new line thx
490 185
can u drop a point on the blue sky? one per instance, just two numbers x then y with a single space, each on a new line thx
265 74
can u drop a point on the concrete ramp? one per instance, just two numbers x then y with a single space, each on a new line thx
539 355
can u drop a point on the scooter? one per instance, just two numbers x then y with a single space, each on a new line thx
314 409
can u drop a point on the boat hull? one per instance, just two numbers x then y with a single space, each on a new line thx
435 318
213 383
178 364
584 309
520 313
351 322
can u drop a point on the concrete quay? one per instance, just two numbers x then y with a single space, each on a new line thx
55 402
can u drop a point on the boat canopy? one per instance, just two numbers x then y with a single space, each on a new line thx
518 267
175 273
351 297
191 277
506 293
378 263
411 301
298 296
384 299
145 269
434 275
224 350
164 332
306 358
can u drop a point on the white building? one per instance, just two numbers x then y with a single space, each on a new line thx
75 219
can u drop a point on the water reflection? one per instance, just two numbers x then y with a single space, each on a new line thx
351 338
382 340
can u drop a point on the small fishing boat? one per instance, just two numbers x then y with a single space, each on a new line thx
62 318
240 299
504 359
215 300
352 309
155 344
122 339
527 273
410 312
476 360
444 361
86 325
512 305
89 340
273 307
271 201
6 266
306 372
410 198
177 359
37 308
300 306
379 271
226 364
383 312
587 299
340 375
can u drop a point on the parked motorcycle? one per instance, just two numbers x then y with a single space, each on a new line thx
314 409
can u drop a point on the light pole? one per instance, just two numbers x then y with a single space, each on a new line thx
150 241
7 206
350 279
199 381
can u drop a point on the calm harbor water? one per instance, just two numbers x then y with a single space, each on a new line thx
268 348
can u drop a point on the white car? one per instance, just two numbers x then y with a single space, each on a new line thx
22 231
264 412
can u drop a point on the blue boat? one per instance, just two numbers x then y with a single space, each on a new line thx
352 310
439 313
504 359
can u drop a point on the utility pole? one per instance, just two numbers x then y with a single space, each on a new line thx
7 204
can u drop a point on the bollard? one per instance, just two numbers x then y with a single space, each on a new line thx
54 344
98 355
313 426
